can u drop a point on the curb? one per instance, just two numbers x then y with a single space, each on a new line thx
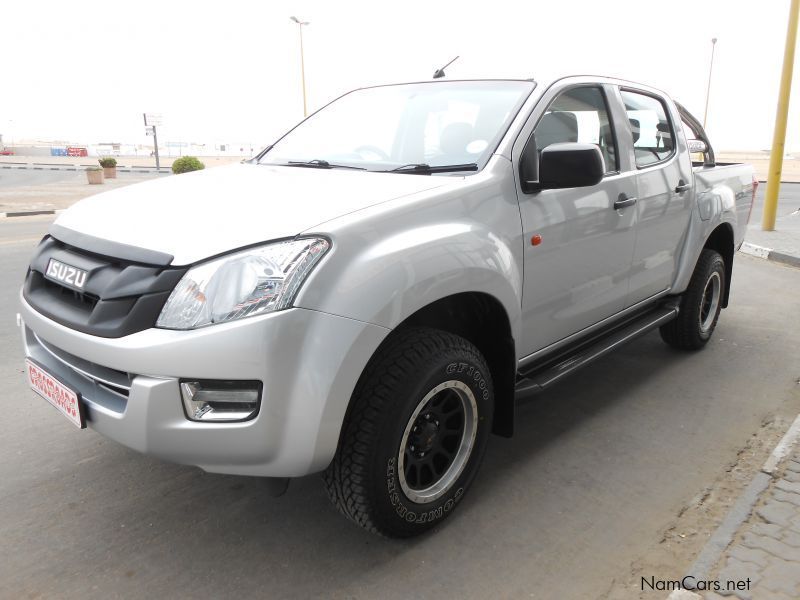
769 254
740 511
71 167
31 213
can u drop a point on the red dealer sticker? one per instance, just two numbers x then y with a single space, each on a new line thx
56 393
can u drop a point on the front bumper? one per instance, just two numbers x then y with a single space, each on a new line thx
308 362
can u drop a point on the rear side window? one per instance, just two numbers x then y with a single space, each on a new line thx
653 139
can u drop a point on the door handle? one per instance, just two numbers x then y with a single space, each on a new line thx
624 201
682 187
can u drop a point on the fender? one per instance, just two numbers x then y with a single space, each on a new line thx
389 261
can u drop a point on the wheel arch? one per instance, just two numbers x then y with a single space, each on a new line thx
481 319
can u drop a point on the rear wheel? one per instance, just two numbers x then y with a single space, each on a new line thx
415 434
700 305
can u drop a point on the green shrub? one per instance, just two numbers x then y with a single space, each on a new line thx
93 169
184 164
108 162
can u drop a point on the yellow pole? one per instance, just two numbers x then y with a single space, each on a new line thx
779 137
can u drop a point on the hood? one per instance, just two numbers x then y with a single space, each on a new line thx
197 215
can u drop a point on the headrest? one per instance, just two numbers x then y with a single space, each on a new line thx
634 129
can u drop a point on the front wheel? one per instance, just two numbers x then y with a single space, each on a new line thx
700 305
415 434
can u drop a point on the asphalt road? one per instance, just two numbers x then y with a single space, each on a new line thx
599 465
788 202
17 177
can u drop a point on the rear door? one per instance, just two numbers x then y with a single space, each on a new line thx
577 246
664 183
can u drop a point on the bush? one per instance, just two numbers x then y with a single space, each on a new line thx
184 164
93 169
108 162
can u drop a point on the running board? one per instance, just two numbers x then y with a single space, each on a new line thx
549 374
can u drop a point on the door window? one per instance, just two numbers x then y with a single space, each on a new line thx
579 115
652 131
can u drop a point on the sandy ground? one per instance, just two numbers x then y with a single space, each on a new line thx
760 162
697 520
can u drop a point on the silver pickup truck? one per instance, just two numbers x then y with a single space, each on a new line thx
368 296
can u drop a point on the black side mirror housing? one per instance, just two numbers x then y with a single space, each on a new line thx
569 165
529 166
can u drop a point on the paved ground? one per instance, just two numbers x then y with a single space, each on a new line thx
786 237
767 549
601 468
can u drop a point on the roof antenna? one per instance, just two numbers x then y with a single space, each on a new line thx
440 72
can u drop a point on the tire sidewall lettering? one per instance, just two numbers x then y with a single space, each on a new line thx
414 516
472 376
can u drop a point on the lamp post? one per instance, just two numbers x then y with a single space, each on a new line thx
302 60
710 71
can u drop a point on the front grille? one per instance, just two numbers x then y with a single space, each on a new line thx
119 298
67 295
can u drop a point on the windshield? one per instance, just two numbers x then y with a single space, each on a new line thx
422 127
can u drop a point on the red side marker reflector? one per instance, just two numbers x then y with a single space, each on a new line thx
536 240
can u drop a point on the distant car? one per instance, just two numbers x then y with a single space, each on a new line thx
5 152
367 297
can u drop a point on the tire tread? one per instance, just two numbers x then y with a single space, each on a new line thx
347 478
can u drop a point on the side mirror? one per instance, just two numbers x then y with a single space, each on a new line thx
696 146
570 165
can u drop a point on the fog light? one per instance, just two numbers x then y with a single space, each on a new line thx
211 401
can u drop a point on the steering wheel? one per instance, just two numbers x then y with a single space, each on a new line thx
374 150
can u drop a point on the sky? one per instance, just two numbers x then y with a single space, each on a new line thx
229 72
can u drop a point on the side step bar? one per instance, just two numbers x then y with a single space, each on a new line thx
549 374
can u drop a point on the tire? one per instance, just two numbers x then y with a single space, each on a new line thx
700 305
425 398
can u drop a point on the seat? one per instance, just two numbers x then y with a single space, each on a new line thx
555 128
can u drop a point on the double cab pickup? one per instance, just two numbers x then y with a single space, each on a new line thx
369 295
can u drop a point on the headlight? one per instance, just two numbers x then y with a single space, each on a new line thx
247 283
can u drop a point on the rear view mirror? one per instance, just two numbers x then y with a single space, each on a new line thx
696 146
570 165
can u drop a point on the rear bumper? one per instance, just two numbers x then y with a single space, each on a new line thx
308 362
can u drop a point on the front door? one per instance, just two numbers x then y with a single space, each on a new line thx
578 247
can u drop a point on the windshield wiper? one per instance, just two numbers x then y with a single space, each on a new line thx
425 169
318 163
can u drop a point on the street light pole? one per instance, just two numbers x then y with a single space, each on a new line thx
302 61
710 71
